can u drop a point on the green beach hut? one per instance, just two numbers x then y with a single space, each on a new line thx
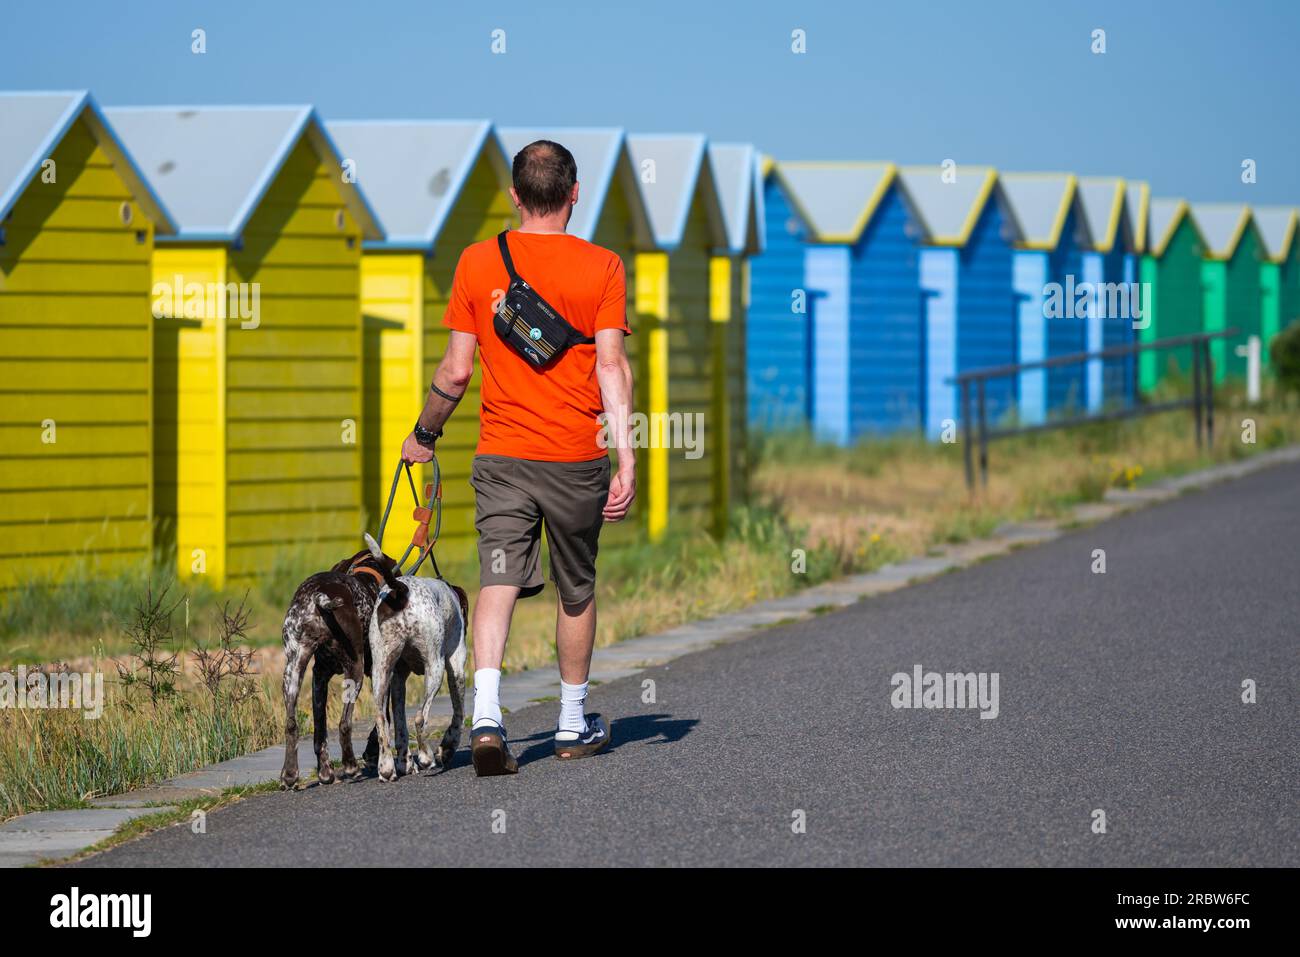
1173 301
1230 279
1279 273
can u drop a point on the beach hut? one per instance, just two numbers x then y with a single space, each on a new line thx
611 213
257 337
1110 268
674 296
1279 273
77 226
1230 279
778 333
861 269
968 240
1170 272
1046 268
436 188
736 172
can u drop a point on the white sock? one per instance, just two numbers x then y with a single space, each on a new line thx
487 691
572 698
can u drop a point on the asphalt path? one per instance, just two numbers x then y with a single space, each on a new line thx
1118 692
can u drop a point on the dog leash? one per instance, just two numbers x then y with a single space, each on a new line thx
430 511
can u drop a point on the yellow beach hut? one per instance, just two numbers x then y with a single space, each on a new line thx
611 213
674 296
77 224
436 187
257 336
737 176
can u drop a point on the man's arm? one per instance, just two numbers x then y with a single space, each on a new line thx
450 380
614 374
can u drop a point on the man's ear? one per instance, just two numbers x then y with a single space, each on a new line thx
573 197
514 198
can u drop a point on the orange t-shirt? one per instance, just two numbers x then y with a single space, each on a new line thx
527 413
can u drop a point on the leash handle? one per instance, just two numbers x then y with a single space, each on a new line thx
433 493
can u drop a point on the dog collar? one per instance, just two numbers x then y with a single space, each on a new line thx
375 573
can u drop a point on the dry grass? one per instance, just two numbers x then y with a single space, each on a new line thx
913 493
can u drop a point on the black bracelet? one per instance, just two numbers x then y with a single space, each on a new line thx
425 437
450 398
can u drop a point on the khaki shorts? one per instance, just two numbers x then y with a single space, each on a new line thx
514 498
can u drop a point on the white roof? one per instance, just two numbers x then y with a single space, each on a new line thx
413 171
1102 200
34 124
1162 219
836 200
669 168
1040 203
602 160
1276 228
213 164
1221 226
948 208
736 173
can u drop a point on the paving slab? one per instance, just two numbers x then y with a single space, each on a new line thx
53 834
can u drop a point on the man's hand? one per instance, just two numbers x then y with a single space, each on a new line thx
413 453
622 489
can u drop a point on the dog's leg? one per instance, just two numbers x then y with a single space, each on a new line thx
381 680
296 657
402 744
432 682
355 675
455 662
320 695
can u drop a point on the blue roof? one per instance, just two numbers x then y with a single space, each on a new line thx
413 171
213 164
35 123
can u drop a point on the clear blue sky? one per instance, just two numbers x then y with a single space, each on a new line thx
1186 90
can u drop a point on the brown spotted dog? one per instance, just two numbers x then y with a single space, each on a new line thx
327 625
422 626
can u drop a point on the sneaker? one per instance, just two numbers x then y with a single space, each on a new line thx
570 745
489 751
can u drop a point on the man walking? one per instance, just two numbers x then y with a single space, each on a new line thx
540 461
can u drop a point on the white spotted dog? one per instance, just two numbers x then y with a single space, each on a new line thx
426 633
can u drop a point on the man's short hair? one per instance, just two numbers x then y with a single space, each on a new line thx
544 173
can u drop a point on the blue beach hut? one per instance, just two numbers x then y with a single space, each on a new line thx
1110 266
965 281
1046 268
861 275
777 331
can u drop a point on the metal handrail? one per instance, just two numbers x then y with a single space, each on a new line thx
1201 401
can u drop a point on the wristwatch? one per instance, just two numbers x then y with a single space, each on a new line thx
425 437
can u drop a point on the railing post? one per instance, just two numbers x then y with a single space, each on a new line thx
984 440
965 432
1196 392
1209 394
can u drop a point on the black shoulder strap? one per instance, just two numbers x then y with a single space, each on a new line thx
505 256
